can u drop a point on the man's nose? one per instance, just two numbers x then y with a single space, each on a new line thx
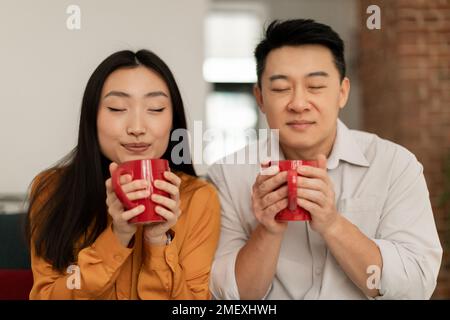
299 101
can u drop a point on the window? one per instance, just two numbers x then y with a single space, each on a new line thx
231 34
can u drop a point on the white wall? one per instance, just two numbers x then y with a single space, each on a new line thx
44 68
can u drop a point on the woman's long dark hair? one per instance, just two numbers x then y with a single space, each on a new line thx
67 201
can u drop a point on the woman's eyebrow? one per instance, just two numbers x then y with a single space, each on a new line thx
115 93
122 94
155 94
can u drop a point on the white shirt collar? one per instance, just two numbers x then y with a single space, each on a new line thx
345 148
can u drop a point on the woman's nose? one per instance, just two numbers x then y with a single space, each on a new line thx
136 126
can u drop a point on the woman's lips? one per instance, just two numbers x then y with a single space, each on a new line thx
136 147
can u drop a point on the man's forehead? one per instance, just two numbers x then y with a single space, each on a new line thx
305 61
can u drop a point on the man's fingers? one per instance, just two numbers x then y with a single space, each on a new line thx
313 184
272 183
274 196
272 210
322 161
266 173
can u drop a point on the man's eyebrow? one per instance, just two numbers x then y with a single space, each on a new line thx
317 74
122 94
277 77
311 74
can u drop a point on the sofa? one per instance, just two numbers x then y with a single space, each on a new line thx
16 278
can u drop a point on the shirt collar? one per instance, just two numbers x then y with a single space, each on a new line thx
345 148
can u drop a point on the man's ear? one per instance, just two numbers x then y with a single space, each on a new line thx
344 92
258 96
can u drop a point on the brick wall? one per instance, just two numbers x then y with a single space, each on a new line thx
405 82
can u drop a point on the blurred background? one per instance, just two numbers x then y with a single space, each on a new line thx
400 77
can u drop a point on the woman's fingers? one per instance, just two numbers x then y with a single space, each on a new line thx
112 167
167 187
136 195
134 185
166 214
123 180
172 177
166 202
127 215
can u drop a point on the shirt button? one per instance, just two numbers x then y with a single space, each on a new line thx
118 257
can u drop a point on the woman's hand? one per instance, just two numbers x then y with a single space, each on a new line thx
168 208
134 190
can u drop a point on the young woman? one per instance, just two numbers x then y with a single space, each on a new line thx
82 245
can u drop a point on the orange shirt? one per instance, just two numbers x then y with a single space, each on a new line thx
109 270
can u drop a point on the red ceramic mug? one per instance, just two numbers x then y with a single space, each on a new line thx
146 169
293 212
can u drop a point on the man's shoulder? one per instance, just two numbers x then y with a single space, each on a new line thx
376 148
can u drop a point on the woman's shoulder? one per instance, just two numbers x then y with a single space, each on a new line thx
199 198
191 185
44 185
46 178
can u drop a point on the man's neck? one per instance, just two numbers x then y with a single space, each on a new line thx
323 147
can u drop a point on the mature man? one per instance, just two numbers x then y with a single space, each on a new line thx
372 233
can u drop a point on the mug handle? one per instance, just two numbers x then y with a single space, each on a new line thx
118 188
292 189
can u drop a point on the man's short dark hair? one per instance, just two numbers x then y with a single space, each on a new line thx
295 33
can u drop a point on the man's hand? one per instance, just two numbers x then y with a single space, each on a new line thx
315 193
268 198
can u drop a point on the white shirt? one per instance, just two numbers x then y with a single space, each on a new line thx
379 187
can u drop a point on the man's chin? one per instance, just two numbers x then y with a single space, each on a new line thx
297 147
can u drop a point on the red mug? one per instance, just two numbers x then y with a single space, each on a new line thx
293 212
146 169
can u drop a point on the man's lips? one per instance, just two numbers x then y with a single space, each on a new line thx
136 147
300 124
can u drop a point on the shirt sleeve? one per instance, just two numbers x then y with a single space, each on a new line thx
407 237
233 237
92 277
169 272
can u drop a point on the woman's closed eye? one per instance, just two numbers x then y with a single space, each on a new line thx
114 109
157 109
